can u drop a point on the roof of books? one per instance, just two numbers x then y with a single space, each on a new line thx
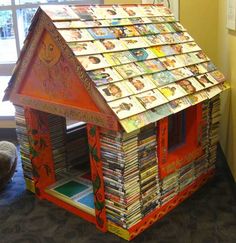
139 58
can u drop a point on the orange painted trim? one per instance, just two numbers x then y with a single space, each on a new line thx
97 176
97 118
40 149
69 208
169 162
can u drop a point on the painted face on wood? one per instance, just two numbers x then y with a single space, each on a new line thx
49 53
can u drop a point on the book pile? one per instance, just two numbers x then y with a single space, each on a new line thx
76 146
57 129
169 187
119 153
200 165
22 136
214 119
149 182
186 175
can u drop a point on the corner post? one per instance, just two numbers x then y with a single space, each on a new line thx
97 176
40 150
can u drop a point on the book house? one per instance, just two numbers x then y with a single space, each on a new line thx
117 113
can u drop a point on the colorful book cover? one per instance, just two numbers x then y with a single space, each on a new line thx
142 54
57 12
164 11
157 113
172 62
181 73
224 86
180 104
200 56
187 59
146 29
181 37
190 85
190 47
118 58
96 23
177 27
110 45
106 12
213 91
169 19
135 122
114 91
101 33
83 12
104 76
125 31
149 11
118 22
151 99
139 20
151 66
198 97
139 84
162 51
93 62
156 19
163 28
206 80
154 40
129 70
168 38
133 11
69 24
197 69
83 48
72 35
218 76
162 78
126 107
172 91
134 42
209 66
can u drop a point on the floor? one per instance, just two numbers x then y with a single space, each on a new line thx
209 216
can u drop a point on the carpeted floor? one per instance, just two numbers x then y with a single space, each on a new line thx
209 216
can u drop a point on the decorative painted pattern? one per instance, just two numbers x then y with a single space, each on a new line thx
97 177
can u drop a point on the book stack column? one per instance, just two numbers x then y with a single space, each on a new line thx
77 146
214 121
201 164
22 136
149 180
57 126
119 153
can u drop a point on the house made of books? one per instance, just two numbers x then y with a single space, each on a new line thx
117 113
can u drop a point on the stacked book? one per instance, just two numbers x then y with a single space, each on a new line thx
169 187
22 137
186 175
214 120
119 153
57 127
76 146
147 158
200 165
